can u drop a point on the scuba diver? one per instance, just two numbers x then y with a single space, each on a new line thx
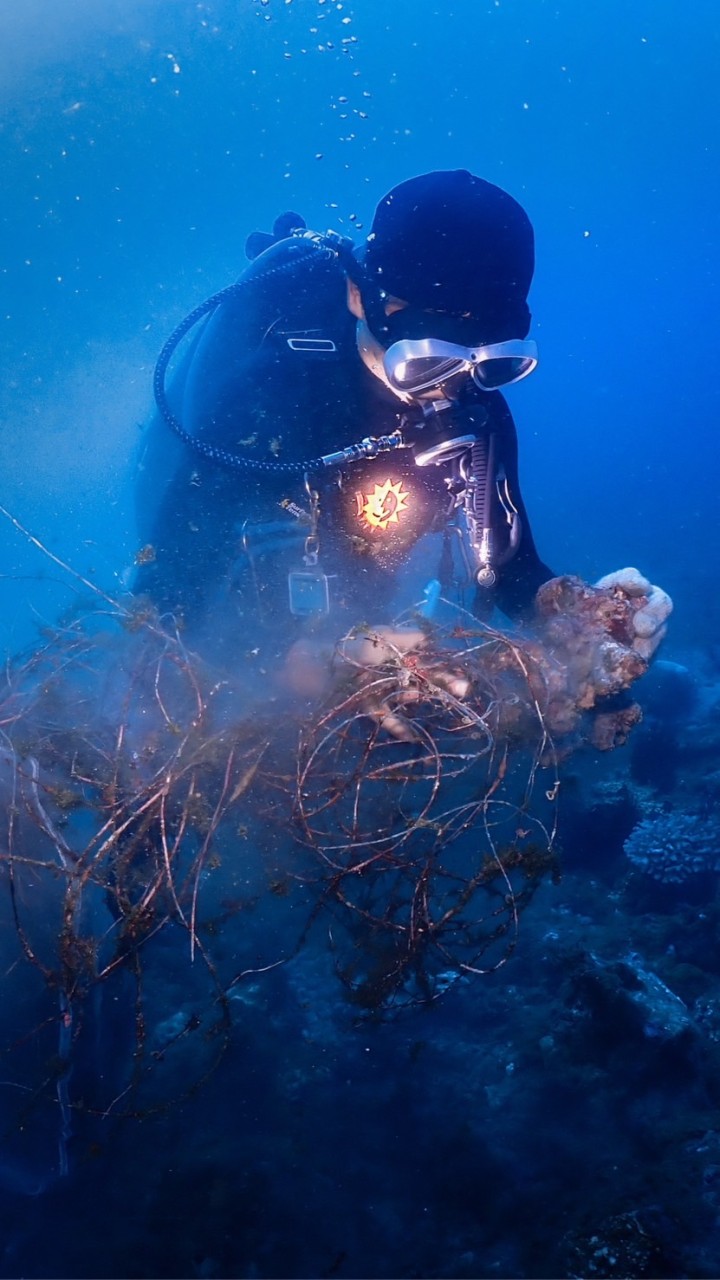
333 408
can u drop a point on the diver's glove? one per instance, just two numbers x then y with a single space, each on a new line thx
312 668
651 620
368 648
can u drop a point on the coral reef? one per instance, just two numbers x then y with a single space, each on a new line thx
623 1245
590 632
671 847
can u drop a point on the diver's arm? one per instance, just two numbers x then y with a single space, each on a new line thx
521 577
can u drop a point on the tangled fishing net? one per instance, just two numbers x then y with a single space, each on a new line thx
160 835
433 817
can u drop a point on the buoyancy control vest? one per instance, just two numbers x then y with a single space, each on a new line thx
300 414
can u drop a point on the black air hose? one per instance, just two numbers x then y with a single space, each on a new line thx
316 253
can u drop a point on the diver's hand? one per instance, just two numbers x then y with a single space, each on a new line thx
307 669
372 646
651 620
311 666
369 647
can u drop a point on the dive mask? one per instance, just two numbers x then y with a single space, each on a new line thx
425 366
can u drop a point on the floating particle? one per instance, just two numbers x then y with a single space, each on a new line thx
366 93
352 217
342 98
362 114
586 235
318 155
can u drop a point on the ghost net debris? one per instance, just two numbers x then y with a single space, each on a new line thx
164 843
122 798
433 818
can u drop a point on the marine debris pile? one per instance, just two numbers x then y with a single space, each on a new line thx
163 843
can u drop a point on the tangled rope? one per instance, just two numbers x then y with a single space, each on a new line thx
432 837
159 834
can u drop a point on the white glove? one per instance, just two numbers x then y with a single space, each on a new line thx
651 620
372 647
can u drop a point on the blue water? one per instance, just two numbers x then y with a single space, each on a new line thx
141 141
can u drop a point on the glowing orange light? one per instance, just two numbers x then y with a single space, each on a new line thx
384 505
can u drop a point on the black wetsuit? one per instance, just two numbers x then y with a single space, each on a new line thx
275 376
